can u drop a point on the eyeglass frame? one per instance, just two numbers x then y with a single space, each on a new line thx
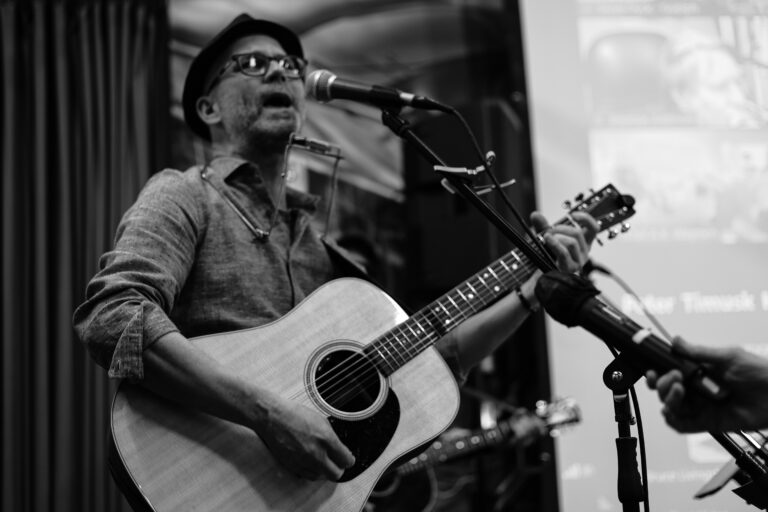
270 58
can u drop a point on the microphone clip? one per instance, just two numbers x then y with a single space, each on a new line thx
460 170
490 158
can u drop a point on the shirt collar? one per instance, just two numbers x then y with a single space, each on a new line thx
226 166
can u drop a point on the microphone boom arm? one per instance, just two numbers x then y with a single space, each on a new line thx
402 129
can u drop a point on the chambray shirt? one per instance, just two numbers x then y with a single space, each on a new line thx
186 260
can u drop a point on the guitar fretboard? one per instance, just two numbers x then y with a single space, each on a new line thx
401 344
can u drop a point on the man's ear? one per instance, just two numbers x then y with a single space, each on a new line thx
208 110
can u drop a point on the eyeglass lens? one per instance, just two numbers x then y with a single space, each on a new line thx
257 64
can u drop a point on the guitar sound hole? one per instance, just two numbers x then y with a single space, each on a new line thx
347 381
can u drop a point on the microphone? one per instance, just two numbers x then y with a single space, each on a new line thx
572 300
324 86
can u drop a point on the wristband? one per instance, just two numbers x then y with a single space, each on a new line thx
525 302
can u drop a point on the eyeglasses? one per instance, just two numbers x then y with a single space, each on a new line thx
257 64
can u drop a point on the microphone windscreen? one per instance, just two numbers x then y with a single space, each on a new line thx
318 85
562 295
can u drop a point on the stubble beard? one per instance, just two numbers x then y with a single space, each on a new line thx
267 135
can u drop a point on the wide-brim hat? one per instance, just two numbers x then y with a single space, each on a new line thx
243 25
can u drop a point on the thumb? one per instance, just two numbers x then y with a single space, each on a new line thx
539 222
340 454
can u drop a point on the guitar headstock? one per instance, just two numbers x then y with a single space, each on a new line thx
608 206
558 414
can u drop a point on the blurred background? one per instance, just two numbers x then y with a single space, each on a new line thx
667 100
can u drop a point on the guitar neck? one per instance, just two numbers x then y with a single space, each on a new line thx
444 451
401 344
398 346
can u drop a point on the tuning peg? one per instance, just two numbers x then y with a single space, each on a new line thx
612 233
579 198
567 205
625 227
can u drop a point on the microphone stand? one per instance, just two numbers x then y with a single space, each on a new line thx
754 491
402 129
619 376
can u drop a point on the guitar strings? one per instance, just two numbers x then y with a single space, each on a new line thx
365 364
341 377
363 371
397 333
526 264
367 376
391 336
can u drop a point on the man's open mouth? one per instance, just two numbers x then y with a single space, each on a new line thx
277 100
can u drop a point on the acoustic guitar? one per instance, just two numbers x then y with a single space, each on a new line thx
349 351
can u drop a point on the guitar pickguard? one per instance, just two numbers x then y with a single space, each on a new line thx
367 438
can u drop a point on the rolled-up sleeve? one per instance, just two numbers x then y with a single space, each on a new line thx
128 301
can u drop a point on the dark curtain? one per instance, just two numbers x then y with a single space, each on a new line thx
84 108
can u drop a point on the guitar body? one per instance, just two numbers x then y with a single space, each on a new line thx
349 351
180 459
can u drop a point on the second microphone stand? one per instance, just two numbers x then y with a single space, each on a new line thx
619 376
402 129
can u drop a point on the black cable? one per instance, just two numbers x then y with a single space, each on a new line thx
601 269
526 227
641 443
622 284
640 437
636 404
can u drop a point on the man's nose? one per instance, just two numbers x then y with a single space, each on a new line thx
275 72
